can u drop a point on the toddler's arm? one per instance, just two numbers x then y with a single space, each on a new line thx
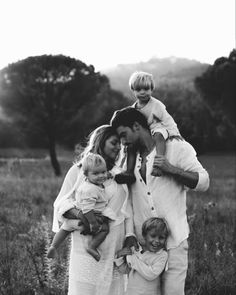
160 114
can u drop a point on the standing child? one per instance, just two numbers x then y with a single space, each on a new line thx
146 266
161 123
92 201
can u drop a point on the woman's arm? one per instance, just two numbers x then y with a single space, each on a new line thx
130 240
65 200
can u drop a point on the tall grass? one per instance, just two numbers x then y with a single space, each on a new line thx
28 189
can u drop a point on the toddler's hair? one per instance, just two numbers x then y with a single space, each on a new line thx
157 223
91 161
139 80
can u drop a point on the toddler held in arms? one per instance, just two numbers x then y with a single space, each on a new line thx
91 200
146 265
160 122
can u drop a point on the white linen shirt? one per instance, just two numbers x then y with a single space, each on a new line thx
163 196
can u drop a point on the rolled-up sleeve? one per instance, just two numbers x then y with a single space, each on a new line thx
203 181
188 161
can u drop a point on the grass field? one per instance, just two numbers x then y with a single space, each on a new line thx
28 189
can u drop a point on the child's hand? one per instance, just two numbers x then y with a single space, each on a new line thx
95 228
123 252
110 175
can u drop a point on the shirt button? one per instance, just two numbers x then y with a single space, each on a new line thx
140 179
152 208
149 193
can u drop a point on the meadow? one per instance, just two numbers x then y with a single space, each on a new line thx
28 188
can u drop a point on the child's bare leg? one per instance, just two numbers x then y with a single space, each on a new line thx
56 242
160 143
128 176
96 241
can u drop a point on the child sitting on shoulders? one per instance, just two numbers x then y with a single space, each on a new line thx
161 123
145 266
92 201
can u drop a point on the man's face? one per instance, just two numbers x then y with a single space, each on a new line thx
128 136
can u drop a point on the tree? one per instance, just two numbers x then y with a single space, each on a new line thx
43 94
217 87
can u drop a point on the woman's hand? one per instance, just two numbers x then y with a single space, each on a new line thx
123 252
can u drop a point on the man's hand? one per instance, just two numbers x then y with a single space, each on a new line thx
162 163
187 178
130 242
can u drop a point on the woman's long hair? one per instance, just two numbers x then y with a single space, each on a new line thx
96 143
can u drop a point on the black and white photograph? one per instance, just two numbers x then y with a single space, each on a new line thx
117 147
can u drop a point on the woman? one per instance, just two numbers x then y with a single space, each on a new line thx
86 275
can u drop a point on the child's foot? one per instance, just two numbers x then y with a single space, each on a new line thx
52 252
125 178
156 172
94 253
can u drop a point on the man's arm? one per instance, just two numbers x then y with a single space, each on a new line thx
187 170
187 178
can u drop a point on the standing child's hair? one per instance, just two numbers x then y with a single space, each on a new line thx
155 223
139 80
91 161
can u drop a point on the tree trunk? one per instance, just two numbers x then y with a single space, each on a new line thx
53 157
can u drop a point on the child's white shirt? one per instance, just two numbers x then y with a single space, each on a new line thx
144 271
148 264
159 120
89 197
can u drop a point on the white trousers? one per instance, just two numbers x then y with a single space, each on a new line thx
173 279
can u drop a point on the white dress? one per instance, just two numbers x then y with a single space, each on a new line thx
86 275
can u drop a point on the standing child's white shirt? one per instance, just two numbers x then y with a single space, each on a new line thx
159 120
145 270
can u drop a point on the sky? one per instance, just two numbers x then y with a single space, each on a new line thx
105 33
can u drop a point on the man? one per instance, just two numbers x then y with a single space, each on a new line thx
163 196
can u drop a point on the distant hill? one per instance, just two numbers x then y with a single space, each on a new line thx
164 69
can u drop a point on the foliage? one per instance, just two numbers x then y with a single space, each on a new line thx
28 190
171 69
10 135
45 96
217 86
95 113
204 110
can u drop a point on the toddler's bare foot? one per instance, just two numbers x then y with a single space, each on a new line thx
156 172
125 177
52 252
94 253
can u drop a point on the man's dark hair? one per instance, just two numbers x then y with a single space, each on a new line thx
127 117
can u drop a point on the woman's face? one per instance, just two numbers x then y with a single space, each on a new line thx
112 147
